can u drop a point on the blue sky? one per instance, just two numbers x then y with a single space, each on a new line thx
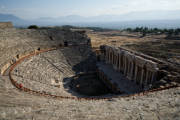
29 9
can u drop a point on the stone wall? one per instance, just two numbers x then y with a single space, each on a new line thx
141 70
6 25
146 71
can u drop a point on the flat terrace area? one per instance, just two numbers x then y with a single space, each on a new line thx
118 79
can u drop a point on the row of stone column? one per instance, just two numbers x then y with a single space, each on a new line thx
135 68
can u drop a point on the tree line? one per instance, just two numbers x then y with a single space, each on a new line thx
145 30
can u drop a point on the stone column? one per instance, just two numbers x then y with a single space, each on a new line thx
119 67
131 70
147 76
119 59
151 67
117 62
139 62
142 77
114 57
153 77
110 56
102 54
136 70
139 75
124 64
111 60
115 65
107 55
122 60
126 61
130 65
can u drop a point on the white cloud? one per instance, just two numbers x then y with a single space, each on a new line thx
113 7
2 7
140 5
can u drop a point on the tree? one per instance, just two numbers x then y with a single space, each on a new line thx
176 32
144 33
33 27
129 29
170 33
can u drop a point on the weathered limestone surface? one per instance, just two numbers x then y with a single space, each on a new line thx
139 68
15 104
45 72
20 42
132 66
6 25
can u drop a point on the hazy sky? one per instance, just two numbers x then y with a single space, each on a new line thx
29 9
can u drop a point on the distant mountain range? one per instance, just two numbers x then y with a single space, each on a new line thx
16 21
162 19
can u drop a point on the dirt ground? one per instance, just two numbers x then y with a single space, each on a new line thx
154 45
18 105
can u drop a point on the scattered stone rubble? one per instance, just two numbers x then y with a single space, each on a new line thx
15 104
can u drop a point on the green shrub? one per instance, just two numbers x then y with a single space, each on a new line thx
33 27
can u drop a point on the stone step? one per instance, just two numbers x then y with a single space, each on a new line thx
117 79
